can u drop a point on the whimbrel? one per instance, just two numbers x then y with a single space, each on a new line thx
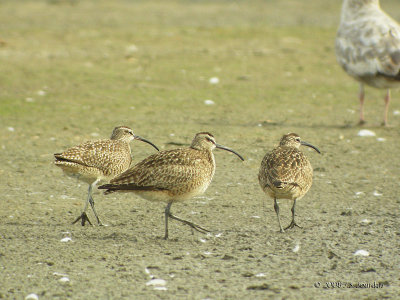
286 173
172 175
368 48
96 161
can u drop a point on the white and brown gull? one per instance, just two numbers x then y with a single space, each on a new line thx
172 176
96 161
368 48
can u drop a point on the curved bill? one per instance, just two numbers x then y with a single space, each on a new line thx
230 150
136 137
311 146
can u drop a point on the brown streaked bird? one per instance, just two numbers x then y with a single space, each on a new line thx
286 173
367 47
172 175
96 161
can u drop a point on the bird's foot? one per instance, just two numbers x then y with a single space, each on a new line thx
292 224
193 225
83 217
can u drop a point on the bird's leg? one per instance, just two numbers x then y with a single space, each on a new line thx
83 217
361 97
166 219
387 100
293 223
170 215
276 207
91 201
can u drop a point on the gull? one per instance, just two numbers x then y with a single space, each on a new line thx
368 48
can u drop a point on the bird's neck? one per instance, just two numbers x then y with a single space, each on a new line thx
358 7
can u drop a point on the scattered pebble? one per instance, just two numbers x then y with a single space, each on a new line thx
256 217
214 80
207 253
66 239
29 99
396 112
296 248
65 197
32 297
381 139
361 253
209 102
377 194
289 74
41 93
95 134
63 279
156 282
260 275
202 240
365 221
59 274
11 129
218 235
366 132
131 49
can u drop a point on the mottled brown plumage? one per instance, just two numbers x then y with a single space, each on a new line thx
96 161
172 175
286 173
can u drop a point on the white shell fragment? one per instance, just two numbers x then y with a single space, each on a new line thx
366 133
296 248
214 80
66 239
156 282
365 221
131 49
377 194
59 274
361 253
209 102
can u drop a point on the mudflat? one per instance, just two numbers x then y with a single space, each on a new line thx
248 72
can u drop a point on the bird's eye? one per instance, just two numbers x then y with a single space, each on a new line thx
210 140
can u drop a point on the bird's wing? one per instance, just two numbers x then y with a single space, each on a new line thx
369 46
162 170
98 154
